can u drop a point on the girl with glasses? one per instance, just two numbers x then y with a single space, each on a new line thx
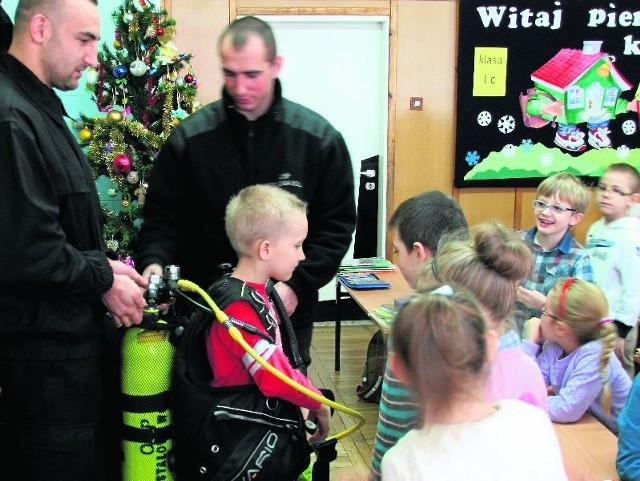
572 342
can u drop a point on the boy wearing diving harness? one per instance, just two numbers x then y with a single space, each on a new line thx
266 226
238 398
238 419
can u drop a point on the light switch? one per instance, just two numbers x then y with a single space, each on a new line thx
415 103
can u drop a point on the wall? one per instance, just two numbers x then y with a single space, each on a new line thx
426 67
422 58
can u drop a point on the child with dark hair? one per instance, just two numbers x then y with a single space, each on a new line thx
417 226
442 348
490 263
575 359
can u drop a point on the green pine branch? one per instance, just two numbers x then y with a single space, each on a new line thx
144 87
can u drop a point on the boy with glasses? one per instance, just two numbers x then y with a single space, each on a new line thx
613 242
560 203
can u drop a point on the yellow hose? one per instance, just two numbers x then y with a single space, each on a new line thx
237 336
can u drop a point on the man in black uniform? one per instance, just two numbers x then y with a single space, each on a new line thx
58 367
253 135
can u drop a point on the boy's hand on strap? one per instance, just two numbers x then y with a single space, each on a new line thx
322 417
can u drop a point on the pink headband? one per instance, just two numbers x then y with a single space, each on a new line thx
605 321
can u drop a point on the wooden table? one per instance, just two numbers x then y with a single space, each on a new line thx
368 300
588 449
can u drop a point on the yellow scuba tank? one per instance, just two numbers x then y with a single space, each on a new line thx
147 362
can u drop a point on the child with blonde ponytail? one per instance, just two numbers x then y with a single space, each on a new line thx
575 359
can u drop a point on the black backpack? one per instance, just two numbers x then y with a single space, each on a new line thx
233 432
371 387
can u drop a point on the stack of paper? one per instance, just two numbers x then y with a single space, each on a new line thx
368 264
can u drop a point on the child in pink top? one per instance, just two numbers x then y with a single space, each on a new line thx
491 265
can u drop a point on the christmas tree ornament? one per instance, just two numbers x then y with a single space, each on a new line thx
125 203
188 78
133 177
85 134
127 18
114 116
112 245
117 44
167 53
180 81
179 114
138 68
92 77
151 32
141 192
121 164
111 192
160 31
119 71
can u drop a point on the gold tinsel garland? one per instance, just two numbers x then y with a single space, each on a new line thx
166 110
108 140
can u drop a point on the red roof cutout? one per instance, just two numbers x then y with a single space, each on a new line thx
568 65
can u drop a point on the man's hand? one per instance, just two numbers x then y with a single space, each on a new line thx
120 268
288 296
125 299
152 269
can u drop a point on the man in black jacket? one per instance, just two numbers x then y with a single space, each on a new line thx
6 30
58 363
252 135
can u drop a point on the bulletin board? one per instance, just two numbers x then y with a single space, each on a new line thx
545 86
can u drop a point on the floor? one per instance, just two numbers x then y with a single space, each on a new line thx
354 451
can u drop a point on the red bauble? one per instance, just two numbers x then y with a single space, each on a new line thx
188 78
160 31
121 164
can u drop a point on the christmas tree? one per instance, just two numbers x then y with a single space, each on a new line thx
144 87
